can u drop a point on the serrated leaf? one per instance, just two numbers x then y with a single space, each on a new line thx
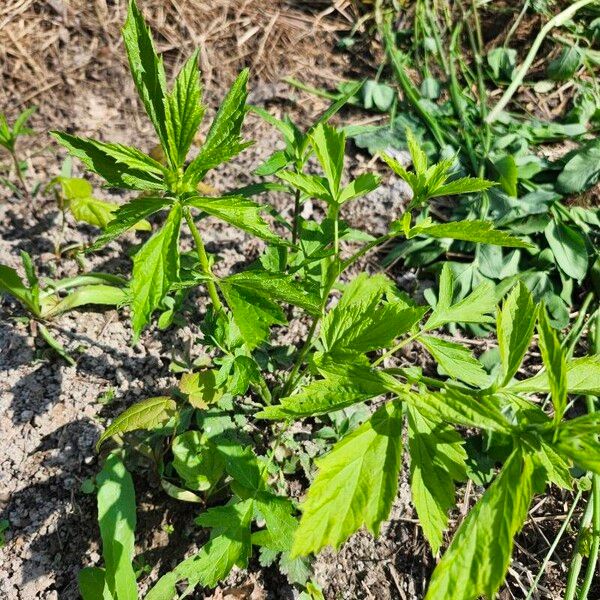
277 512
237 211
183 110
437 459
313 186
568 247
229 545
361 186
253 313
356 484
474 308
479 232
147 70
456 361
477 559
121 166
577 439
557 470
129 215
279 287
463 185
582 374
117 520
329 145
346 385
223 140
155 269
147 414
514 328
554 360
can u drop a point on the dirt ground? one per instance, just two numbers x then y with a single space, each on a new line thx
69 62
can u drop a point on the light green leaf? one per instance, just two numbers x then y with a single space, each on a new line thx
417 155
11 283
554 360
437 459
223 141
229 545
197 461
568 247
311 185
577 439
121 166
456 361
514 328
117 520
583 377
155 269
106 295
147 70
507 170
477 559
253 312
184 111
463 185
356 484
557 470
474 308
582 170
130 215
237 211
479 232
277 512
277 286
329 145
147 414
361 186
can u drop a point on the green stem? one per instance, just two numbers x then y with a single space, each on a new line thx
556 21
575 567
397 347
295 217
20 176
203 258
554 545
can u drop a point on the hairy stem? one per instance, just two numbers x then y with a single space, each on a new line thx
203 258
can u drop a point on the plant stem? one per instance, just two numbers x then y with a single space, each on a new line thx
20 176
295 217
203 258
556 21
552 549
575 567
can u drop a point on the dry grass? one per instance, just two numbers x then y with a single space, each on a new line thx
54 51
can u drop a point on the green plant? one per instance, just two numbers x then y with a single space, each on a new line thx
221 440
453 111
9 137
49 299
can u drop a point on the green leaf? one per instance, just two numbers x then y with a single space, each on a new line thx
514 328
477 559
117 519
147 414
343 386
92 585
554 360
277 161
279 287
147 70
564 66
253 313
356 484
223 141
456 361
311 185
197 461
11 283
121 166
583 377
130 215
479 232
329 145
474 308
437 459
418 157
277 512
557 470
361 186
577 439
237 211
507 170
582 170
463 185
229 545
569 249
107 295
184 111
55 344
155 269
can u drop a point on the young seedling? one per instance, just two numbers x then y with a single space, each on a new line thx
9 137
47 300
